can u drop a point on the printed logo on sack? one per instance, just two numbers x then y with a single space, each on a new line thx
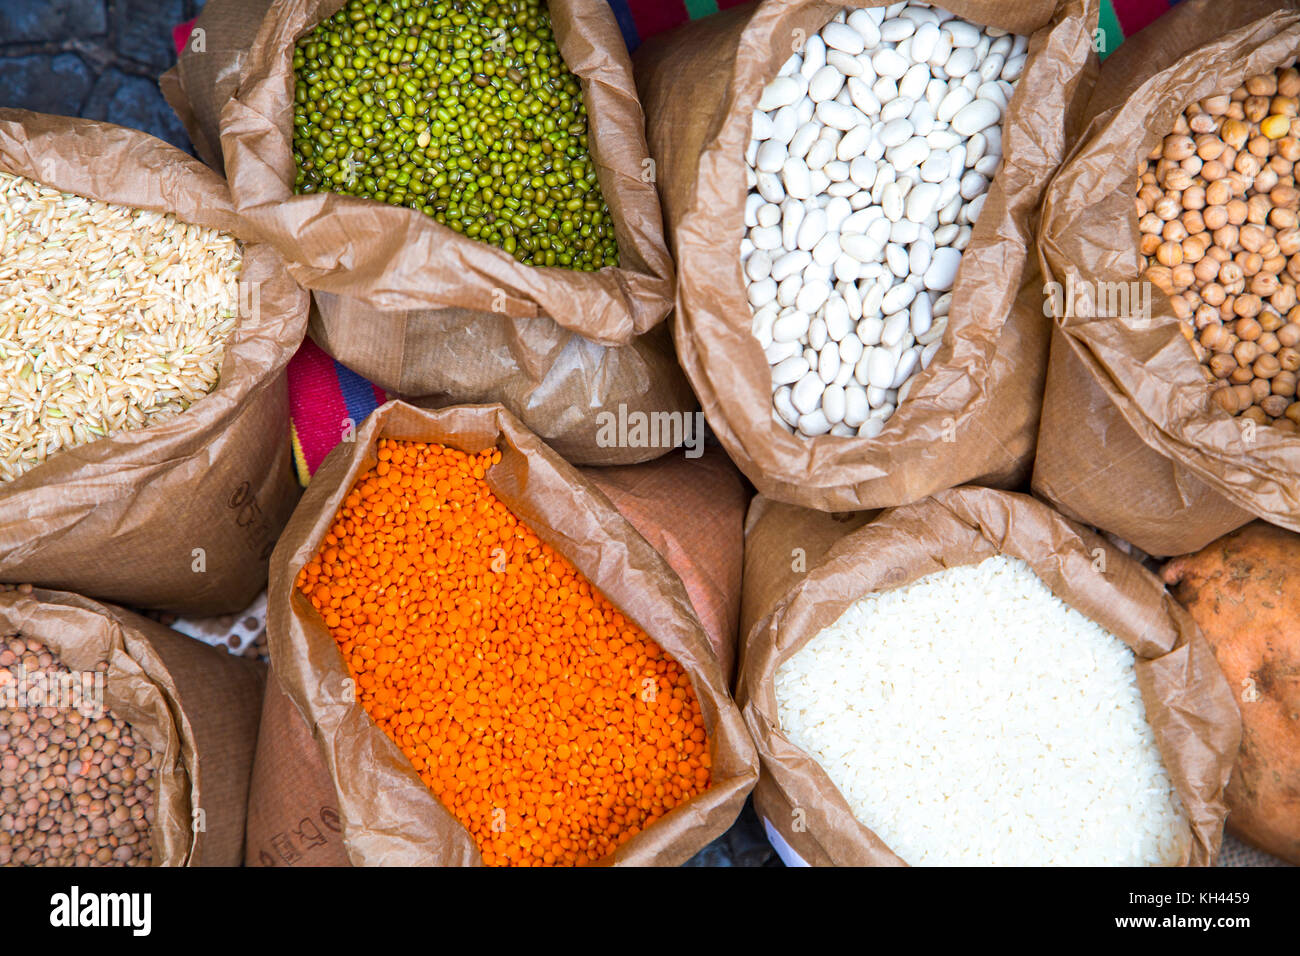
76 909
639 429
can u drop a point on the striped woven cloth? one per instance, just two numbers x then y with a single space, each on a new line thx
322 392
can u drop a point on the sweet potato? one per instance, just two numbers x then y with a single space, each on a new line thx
1244 592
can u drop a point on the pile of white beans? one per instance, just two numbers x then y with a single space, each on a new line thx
871 155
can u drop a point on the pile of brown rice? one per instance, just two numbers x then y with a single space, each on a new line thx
111 318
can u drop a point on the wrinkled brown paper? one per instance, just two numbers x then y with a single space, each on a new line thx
420 310
389 817
973 415
195 706
181 515
1130 440
1188 701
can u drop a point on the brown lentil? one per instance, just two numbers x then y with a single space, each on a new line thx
76 785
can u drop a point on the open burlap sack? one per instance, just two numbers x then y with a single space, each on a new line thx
388 815
973 415
690 510
1188 702
419 309
181 515
1130 440
196 707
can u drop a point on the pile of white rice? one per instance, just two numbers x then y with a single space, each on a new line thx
111 318
973 718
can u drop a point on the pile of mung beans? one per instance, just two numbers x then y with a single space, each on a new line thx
1217 206
462 109
76 786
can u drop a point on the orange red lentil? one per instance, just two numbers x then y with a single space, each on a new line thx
553 728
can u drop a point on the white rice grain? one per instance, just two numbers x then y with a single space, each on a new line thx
973 718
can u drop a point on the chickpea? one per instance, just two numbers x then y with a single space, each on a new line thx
1266 366
1247 306
1226 398
1215 169
1209 146
1214 293
1283 299
1262 84
1178 146
1280 218
1284 383
1216 105
1289 334
1222 365
1288 82
1274 406
1169 253
1257 210
1264 284
1287 106
1167 208
1252 237
1174 230
1255 108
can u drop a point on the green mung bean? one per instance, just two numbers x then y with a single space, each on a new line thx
462 109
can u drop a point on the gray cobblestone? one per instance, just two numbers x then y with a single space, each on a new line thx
134 101
46 83
26 21
95 58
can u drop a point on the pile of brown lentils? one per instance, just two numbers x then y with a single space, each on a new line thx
75 789
1218 210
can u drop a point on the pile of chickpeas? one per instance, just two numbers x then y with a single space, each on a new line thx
1218 211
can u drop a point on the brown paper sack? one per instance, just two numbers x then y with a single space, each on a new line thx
388 815
973 415
690 510
207 70
195 707
1188 702
181 515
1130 440
421 310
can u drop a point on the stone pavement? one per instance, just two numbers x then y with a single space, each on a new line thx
95 58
